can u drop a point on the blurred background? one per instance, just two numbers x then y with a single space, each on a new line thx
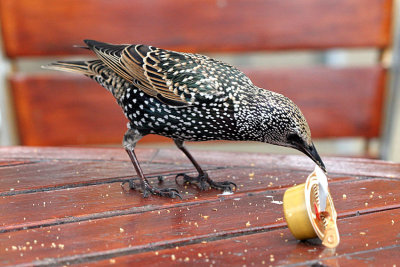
338 61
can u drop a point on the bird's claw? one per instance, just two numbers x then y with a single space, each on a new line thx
146 189
224 186
201 180
165 192
131 184
160 179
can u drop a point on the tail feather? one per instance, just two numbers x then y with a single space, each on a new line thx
81 67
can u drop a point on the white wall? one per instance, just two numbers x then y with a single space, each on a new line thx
7 129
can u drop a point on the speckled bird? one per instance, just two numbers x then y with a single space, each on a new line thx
190 97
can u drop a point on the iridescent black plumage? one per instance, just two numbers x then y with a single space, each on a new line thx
191 97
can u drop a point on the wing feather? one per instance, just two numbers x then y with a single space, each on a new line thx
177 79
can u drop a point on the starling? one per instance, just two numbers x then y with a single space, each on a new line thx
190 97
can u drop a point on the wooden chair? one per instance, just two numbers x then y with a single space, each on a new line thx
59 109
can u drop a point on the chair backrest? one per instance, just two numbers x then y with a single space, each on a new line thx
54 109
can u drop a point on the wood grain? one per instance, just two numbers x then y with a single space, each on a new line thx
71 204
175 226
92 198
8 163
388 256
56 174
361 242
337 166
26 153
340 102
101 223
39 28
65 110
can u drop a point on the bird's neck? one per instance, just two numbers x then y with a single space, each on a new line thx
248 117
258 117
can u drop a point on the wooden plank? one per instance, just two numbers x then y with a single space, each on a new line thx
138 230
84 201
59 110
384 256
341 102
103 200
101 222
58 174
335 165
362 241
73 153
178 226
7 163
42 29
65 111
88 202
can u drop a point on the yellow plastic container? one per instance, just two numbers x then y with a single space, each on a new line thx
301 206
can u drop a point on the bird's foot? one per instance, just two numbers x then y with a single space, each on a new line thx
224 186
146 189
201 180
164 192
131 184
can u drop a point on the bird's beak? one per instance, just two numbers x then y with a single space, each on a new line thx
312 153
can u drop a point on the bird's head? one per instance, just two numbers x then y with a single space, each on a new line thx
280 122
303 143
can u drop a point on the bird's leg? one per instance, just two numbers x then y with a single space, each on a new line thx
202 178
131 137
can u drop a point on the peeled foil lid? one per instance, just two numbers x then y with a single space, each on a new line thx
330 234
323 187
312 202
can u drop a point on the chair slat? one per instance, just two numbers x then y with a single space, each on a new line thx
337 102
57 110
42 27
66 109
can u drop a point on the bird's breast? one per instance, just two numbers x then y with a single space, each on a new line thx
203 120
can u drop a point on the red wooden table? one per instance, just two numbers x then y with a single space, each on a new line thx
66 206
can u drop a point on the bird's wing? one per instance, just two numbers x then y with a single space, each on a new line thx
177 79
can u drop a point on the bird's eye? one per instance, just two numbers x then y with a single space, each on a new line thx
294 139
